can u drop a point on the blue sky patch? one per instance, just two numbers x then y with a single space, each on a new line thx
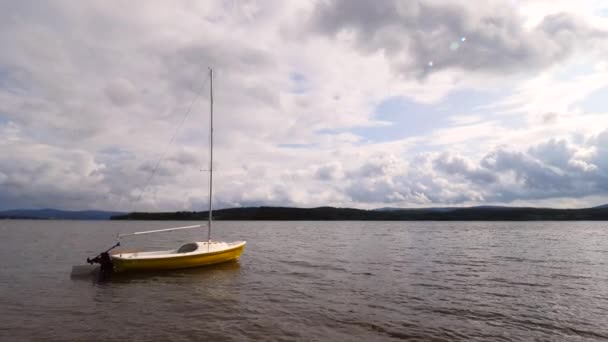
408 118
572 72
115 153
12 83
595 102
298 83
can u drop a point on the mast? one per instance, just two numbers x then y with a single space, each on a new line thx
210 155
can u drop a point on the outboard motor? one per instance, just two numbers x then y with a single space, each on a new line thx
104 260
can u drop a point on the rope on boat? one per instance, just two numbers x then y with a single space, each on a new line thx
197 95
158 231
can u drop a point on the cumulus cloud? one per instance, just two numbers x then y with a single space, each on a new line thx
551 169
457 165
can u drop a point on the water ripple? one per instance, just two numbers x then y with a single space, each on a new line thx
318 281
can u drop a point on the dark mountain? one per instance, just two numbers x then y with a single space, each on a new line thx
479 213
602 206
387 209
484 213
58 214
445 208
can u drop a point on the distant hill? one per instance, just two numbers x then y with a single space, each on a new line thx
478 213
447 208
602 206
483 213
387 209
49 214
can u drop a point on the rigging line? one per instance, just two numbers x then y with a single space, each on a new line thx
119 236
162 156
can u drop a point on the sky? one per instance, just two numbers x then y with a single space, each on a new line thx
347 103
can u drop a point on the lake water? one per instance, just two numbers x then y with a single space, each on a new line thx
323 281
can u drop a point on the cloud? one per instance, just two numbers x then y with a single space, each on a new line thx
121 92
553 152
68 177
457 165
549 118
550 169
423 37
329 172
90 96
600 155
530 173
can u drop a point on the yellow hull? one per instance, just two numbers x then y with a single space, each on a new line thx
176 262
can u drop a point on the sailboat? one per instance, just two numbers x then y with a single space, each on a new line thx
192 254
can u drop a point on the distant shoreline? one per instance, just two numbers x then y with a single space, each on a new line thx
349 214
481 213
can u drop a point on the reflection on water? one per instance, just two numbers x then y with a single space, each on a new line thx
441 281
223 272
